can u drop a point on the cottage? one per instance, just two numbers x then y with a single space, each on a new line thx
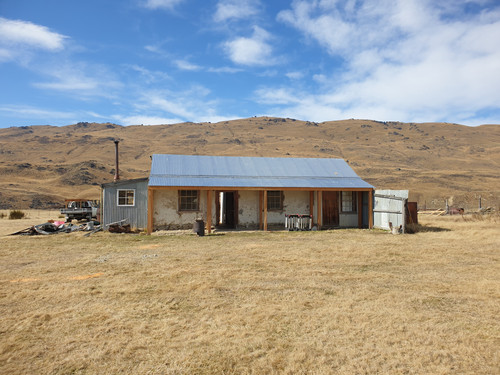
254 192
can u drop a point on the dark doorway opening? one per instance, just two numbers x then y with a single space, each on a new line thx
227 209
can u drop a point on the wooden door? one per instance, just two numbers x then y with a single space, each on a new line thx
330 209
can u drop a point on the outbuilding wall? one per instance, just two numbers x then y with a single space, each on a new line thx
137 215
389 207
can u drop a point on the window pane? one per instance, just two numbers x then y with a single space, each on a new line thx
274 200
188 200
348 201
126 197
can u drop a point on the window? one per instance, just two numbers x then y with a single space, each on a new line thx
189 200
126 197
275 200
348 201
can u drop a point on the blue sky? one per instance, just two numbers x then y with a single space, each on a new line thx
168 61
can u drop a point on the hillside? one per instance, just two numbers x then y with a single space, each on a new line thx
42 165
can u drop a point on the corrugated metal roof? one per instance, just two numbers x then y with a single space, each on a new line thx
258 172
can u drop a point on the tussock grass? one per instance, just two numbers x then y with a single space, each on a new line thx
16 215
344 302
486 217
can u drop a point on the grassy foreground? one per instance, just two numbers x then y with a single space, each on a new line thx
343 302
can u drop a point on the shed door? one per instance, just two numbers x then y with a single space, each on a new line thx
330 209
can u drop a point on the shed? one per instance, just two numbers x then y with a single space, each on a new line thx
125 200
390 207
255 192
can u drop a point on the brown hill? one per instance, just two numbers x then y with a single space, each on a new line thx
42 165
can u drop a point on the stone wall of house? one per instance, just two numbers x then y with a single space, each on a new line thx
248 209
167 215
295 202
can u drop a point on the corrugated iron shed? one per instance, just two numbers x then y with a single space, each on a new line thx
136 215
253 172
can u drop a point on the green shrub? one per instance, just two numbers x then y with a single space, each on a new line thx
16 214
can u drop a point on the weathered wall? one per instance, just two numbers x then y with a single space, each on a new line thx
248 209
167 216
295 202
348 220
387 209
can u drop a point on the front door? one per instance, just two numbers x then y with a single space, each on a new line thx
330 209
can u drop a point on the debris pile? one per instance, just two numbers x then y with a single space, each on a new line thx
56 227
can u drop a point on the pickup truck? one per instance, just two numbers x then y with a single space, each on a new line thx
80 209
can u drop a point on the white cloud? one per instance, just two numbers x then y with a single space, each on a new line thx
224 69
235 9
31 112
251 51
150 76
80 79
145 120
162 4
320 78
154 49
5 55
295 75
19 39
406 59
192 104
186 65
278 96
24 33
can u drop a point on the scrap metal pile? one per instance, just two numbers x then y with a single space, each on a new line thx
56 227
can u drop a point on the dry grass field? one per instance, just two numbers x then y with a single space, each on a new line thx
341 302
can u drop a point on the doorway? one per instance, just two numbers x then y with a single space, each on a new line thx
227 209
330 209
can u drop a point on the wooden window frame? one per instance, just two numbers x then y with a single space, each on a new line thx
181 201
353 202
125 198
275 198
